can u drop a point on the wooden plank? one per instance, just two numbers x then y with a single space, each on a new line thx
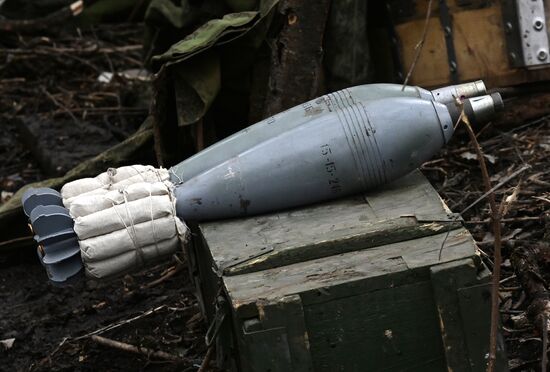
278 239
449 245
394 329
421 8
280 330
290 312
522 109
384 232
475 307
446 279
480 48
317 274
266 350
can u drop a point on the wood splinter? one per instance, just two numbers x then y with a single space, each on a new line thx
135 349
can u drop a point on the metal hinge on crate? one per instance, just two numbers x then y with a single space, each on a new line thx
526 33
219 317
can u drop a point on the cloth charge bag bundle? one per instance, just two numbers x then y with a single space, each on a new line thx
113 179
124 218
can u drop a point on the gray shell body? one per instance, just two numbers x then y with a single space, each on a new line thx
339 145
296 116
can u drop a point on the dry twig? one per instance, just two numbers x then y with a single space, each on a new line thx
118 324
418 47
499 185
170 272
105 329
497 246
93 49
544 362
206 362
135 349
55 18
514 219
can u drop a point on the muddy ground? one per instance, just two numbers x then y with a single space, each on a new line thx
44 319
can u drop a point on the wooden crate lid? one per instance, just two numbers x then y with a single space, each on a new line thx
406 209
386 266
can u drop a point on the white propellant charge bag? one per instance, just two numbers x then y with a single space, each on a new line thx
113 179
125 219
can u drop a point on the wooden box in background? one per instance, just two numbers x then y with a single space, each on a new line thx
467 40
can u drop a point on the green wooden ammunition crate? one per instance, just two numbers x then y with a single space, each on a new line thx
387 281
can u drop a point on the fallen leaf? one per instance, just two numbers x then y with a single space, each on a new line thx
471 156
99 305
513 234
492 159
5 196
468 155
510 199
7 343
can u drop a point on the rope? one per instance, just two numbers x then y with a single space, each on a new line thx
138 246
111 172
153 221
133 238
183 237
139 173
180 181
131 230
157 173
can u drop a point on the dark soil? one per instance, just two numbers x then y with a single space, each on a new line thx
54 109
60 145
41 316
18 167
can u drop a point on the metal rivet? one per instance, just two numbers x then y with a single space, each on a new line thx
509 27
542 55
538 24
453 66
